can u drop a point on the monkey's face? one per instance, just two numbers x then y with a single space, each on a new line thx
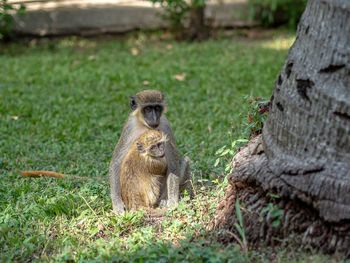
152 144
157 150
148 105
151 113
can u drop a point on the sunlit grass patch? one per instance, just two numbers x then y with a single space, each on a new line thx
280 43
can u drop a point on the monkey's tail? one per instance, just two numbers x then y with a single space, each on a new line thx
50 174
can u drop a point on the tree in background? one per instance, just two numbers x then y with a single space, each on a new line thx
295 177
180 12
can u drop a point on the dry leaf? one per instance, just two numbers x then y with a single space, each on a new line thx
100 227
134 51
145 82
180 77
169 47
81 222
75 62
92 57
15 117
210 129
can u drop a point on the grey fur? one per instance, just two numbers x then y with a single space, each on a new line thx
178 170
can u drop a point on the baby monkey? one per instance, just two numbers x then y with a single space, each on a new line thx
143 171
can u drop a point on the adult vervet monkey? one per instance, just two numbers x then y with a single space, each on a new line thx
148 112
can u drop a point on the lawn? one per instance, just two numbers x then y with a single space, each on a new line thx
63 104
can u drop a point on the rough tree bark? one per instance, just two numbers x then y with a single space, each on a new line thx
303 155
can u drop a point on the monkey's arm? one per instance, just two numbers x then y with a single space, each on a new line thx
114 179
178 170
49 174
171 152
173 190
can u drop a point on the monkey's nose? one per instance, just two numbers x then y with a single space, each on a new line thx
154 126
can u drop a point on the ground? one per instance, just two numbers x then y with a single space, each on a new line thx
63 104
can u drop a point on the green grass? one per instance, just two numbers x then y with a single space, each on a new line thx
62 107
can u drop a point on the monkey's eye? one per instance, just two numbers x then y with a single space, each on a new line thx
158 108
153 148
147 109
160 146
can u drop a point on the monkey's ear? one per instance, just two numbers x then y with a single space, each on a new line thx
140 147
133 104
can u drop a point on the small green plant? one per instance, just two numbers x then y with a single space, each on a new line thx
240 228
7 21
272 212
257 114
277 12
258 111
226 154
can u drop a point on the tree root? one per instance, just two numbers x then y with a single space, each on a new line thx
269 217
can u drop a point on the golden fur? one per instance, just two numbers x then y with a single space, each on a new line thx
141 174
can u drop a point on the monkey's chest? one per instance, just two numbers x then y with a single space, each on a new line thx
157 168
152 190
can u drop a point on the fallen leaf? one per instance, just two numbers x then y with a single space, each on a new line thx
100 227
92 57
169 47
180 77
134 51
15 117
145 82
210 129
75 62
81 222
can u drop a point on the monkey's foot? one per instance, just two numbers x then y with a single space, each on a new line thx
163 203
168 203
119 208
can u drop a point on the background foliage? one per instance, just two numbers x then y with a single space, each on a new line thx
176 12
7 21
271 13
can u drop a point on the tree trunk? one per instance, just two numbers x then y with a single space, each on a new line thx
303 155
197 28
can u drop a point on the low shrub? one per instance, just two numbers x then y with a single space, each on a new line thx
7 21
272 13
